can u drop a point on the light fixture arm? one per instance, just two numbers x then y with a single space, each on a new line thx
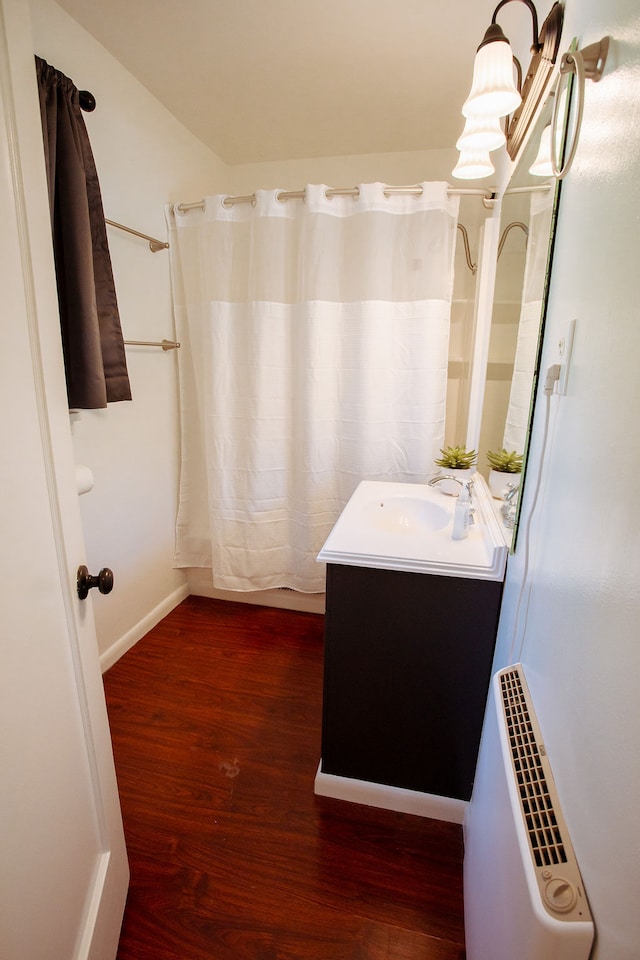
535 46
586 64
536 79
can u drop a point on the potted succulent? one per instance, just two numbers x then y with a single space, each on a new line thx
458 462
504 464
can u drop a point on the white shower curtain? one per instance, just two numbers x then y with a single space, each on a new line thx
314 355
535 268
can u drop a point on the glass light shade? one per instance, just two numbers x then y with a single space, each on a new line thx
541 166
473 165
481 133
493 91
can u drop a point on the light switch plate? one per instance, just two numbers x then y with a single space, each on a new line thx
565 347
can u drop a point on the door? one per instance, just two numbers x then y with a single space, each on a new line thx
63 865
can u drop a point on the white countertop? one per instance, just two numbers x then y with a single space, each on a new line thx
407 526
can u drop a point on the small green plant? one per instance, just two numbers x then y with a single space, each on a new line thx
505 462
457 458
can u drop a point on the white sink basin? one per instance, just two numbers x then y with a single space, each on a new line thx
407 526
407 515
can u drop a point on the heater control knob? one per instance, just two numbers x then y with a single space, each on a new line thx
560 895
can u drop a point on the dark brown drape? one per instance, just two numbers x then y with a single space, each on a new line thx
94 357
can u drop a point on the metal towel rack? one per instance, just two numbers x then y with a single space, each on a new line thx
154 245
165 344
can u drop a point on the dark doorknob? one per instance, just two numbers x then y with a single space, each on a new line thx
104 581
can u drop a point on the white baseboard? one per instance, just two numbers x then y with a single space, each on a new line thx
120 647
200 585
389 798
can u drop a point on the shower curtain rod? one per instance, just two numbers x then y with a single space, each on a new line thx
354 192
532 188
415 191
507 230
467 251
488 196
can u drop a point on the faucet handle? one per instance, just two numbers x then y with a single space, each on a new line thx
512 489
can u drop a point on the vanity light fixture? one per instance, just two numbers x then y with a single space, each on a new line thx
481 133
473 165
494 92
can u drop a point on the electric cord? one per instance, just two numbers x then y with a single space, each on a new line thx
552 376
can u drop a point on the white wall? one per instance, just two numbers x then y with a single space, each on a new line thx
145 159
394 168
580 612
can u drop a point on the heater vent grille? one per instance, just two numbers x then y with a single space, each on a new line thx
538 809
523 893
552 856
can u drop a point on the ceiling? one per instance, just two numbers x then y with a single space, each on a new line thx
260 80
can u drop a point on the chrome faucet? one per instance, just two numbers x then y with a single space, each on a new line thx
510 506
447 476
444 476
463 483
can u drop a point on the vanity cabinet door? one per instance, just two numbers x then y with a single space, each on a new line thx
407 667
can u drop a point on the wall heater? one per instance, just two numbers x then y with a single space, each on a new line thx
523 894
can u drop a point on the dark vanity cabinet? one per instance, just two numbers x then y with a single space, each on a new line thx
407 667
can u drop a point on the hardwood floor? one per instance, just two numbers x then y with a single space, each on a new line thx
215 717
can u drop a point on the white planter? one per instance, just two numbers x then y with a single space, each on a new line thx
450 487
498 482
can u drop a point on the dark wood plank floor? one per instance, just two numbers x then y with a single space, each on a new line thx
215 718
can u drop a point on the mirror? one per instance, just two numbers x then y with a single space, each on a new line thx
527 226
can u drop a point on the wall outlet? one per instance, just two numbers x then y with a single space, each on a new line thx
563 356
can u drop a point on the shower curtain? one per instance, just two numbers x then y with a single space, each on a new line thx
314 355
529 327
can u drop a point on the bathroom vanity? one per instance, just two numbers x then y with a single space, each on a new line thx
411 620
